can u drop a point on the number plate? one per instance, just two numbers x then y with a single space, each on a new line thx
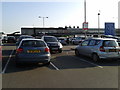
112 50
54 48
33 51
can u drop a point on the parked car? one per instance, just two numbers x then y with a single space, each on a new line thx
78 40
119 43
0 41
62 40
11 39
4 38
32 51
0 53
23 37
99 48
53 43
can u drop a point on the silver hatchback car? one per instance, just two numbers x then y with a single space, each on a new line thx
99 48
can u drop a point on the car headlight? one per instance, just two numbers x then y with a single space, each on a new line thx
61 46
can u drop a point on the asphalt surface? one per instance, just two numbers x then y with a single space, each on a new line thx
65 71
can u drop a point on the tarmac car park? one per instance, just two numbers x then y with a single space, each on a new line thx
64 71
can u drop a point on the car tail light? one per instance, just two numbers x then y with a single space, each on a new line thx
19 50
102 49
47 50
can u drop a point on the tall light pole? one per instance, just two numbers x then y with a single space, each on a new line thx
84 10
85 24
99 22
43 20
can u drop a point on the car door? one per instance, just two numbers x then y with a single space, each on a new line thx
83 47
91 47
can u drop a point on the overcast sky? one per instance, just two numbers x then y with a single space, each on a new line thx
60 13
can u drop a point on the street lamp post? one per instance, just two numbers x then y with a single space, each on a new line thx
99 23
85 24
43 20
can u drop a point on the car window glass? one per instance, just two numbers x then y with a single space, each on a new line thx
85 43
110 43
97 42
31 43
50 39
92 42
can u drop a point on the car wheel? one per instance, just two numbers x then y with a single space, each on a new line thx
60 51
77 53
47 64
95 57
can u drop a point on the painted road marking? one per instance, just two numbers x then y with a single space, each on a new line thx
8 62
91 63
88 61
54 66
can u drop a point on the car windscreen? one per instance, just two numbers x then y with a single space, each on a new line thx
11 37
110 43
33 43
78 38
61 39
50 39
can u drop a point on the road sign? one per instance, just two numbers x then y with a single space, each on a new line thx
110 29
85 25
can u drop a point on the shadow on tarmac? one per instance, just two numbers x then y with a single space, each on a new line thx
74 62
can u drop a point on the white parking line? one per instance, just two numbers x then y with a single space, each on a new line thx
7 62
54 66
91 63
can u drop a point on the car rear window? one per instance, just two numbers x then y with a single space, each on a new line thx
50 39
110 43
33 43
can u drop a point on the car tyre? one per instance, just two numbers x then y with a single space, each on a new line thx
47 64
60 50
95 57
77 53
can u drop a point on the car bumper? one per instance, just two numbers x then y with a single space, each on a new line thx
55 48
109 55
43 59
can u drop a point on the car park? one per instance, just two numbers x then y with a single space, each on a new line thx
53 43
99 48
23 37
32 51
